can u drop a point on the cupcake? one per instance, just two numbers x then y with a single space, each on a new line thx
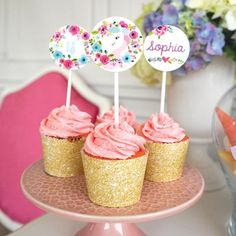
124 116
167 144
114 161
63 133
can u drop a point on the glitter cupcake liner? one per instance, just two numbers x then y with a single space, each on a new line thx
114 183
62 157
166 160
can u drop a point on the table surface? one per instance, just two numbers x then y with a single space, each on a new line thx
207 218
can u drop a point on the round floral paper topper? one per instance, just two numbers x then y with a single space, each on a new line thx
66 47
115 44
166 48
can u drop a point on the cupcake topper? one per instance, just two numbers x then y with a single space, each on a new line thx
166 48
66 48
115 45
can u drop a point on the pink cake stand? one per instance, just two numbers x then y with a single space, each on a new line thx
68 197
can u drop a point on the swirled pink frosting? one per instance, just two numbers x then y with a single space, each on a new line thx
114 142
124 116
162 128
65 122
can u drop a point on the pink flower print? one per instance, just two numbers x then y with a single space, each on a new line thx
102 29
98 55
133 34
85 36
160 30
61 60
68 64
104 59
123 24
74 29
57 36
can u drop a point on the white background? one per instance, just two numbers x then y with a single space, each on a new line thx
26 26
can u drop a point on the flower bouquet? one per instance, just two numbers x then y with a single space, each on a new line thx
209 25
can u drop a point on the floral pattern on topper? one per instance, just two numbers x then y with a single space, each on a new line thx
161 30
66 47
166 48
115 44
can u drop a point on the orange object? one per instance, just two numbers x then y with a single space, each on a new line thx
227 157
229 125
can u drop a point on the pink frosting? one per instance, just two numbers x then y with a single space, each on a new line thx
65 122
162 128
124 115
114 142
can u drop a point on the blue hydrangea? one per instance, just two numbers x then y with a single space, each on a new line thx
152 21
206 38
198 19
180 72
206 33
170 15
195 46
215 46
196 63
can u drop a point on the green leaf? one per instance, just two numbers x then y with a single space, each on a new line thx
94 32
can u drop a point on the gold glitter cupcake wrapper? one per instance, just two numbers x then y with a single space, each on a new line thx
165 161
62 157
114 183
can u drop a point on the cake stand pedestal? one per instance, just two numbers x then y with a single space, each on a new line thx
68 197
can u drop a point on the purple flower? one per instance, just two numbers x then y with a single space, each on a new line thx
206 57
180 72
206 38
170 15
206 33
147 25
198 19
195 46
152 21
196 63
215 46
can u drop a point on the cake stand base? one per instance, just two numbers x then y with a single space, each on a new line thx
110 229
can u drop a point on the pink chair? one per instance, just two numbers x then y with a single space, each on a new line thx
20 115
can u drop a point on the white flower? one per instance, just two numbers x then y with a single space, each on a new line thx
232 2
194 3
230 19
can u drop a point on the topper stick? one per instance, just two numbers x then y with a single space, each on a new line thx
116 97
68 94
163 91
